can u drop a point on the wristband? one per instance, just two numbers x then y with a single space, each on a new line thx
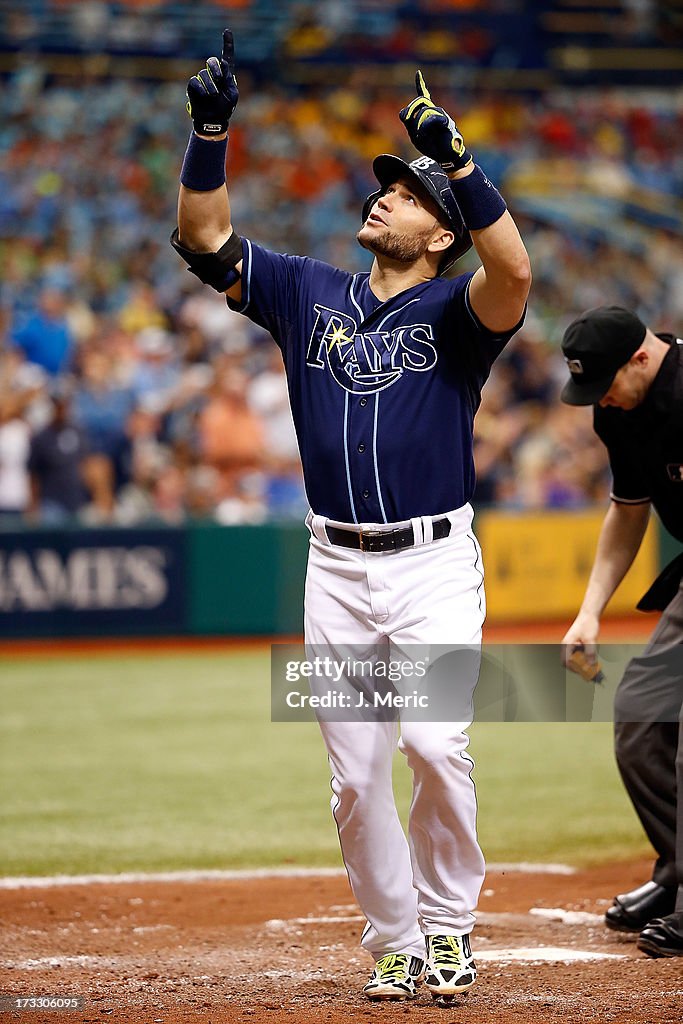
204 164
480 202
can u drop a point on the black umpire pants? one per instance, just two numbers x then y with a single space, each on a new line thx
648 716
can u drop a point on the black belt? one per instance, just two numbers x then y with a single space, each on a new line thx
383 540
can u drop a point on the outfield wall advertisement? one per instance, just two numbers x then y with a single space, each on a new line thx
208 580
85 583
536 564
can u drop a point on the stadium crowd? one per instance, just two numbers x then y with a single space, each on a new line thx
476 32
129 393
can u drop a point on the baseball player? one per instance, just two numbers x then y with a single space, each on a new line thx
634 379
384 372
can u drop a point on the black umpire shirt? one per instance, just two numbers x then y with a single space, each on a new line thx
645 444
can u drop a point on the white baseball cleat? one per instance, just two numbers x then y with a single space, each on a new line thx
450 966
396 976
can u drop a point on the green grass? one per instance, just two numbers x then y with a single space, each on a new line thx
552 792
166 762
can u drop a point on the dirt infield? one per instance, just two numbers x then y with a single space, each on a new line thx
286 950
626 628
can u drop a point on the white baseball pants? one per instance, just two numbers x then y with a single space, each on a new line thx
431 593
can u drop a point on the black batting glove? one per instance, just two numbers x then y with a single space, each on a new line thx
434 132
212 93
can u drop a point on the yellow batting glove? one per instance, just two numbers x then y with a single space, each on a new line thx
433 131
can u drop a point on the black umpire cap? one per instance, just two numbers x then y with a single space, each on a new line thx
388 169
596 345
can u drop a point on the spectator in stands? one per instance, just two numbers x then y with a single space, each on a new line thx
156 376
268 397
135 499
141 310
169 495
101 410
242 501
21 385
14 451
202 484
231 435
45 335
55 462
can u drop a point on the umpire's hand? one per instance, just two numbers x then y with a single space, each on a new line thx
580 647
212 93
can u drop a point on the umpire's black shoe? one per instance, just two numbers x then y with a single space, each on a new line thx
663 936
631 911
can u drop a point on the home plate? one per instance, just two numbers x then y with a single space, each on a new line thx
537 954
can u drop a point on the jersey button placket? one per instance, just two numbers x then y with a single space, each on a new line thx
361 468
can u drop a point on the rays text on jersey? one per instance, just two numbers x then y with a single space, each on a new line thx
369 361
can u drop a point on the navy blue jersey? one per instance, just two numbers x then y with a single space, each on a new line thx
383 394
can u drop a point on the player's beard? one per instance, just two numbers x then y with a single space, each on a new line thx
401 248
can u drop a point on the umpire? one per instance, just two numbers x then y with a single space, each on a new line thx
634 380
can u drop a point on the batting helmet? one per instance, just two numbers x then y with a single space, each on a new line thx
388 169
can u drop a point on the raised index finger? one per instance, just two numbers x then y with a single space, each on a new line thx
228 54
421 86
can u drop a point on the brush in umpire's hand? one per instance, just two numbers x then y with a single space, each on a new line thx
585 663
434 132
212 93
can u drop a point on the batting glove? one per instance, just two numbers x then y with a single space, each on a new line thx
434 132
212 94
